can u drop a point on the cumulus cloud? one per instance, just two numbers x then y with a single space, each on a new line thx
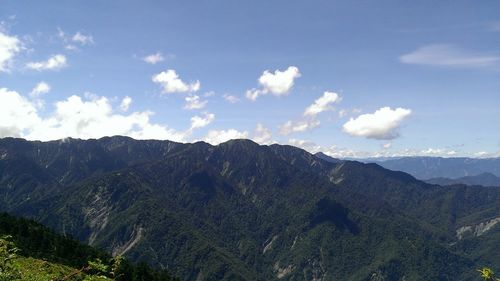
154 58
299 126
125 104
215 137
231 98
383 124
448 56
9 47
82 39
171 83
53 63
78 118
200 122
262 135
195 102
322 104
278 83
40 89
18 114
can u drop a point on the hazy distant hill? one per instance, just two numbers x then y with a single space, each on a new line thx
484 179
242 211
438 167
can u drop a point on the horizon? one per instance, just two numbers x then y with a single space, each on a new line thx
354 80
380 158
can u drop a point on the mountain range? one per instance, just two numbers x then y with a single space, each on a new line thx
243 211
484 179
439 167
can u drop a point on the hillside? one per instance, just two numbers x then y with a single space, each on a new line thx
30 251
242 211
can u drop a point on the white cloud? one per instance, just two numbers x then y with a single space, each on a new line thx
299 126
215 137
40 89
322 104
309 121
253 94
154 58
53 63
262 135
449 56
78 118
200 122
71 41
195 102
432 152
125 104
387 145
342 113
332 151
278 83
337 152
18 114
231 98
481 154
306 145
9 47
383 124
171 83
82 39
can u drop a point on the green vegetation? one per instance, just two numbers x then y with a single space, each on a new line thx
240 211
30 251
487 274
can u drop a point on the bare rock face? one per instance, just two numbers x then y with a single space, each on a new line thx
478 229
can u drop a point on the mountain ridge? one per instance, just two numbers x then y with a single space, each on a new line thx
243 211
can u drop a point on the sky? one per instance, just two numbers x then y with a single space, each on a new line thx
348 78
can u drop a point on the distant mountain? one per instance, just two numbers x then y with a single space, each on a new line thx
484 179
242 211
438 167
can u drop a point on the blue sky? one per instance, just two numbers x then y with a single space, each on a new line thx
350 78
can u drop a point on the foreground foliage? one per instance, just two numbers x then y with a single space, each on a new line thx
30 251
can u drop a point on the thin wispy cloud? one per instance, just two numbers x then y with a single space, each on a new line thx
230 98
323 103
447 55
82 39
194 102
55 62
154 58
494 26
40 89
